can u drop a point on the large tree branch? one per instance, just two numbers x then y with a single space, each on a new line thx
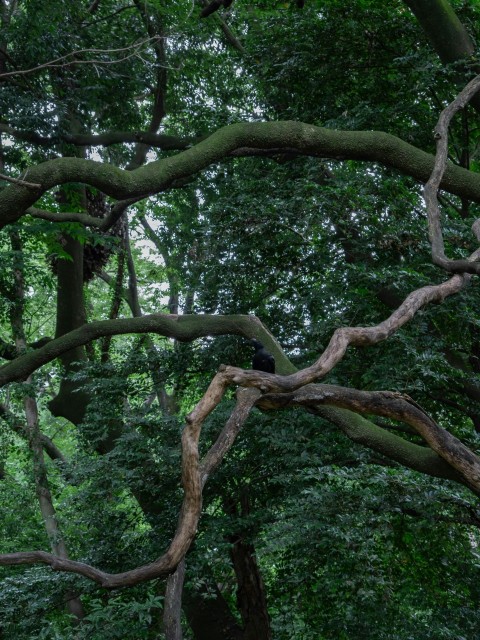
444 29
189 327
368 434
181 327
448 35
296 137
447 456
195 474
462 461
348 336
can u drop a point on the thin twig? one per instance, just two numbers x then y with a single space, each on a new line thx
23 183
56 61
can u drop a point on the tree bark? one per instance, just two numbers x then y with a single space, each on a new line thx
441 24
42 486
251 596
209 615
235 140
173 603
448 36
70 402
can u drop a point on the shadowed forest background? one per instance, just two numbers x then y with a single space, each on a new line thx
177 179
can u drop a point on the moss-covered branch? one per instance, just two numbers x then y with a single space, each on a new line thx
448 36
190 327
442 26
444 458
236 139
181 327
408 454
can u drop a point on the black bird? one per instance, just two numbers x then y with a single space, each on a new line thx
262 360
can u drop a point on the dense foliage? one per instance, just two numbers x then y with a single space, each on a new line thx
319 523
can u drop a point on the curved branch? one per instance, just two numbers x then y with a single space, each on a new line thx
295 137
181 327
368 434
107 139
194 477
462 463
347 336
433 185
189 327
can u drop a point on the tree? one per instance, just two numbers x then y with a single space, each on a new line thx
279 183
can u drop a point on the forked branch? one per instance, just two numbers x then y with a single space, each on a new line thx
194 476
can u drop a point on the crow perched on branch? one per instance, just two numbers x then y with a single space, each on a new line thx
262 360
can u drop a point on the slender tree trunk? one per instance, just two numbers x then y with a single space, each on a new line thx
42 487
115 304
166 402
57 544
173 604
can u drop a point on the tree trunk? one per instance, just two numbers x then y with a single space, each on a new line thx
173 604
42 485
209 615
70 402
251 597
